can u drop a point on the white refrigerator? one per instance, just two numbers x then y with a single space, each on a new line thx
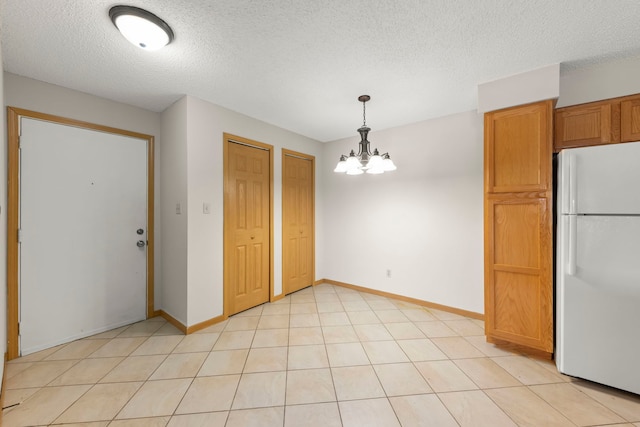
598 265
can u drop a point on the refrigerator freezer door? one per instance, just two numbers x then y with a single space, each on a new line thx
598 299
600 180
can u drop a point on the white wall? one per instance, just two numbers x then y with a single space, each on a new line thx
206 124
173 191
532 86
43 97
601 81
424 221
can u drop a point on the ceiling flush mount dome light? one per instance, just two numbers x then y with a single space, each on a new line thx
365 160
141 28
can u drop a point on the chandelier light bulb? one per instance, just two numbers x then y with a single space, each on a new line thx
341 167
375 160
356 171
387 164
353 162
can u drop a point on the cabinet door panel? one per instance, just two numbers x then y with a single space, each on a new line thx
517 152
517 300
518 269
516 234
586 125
630 120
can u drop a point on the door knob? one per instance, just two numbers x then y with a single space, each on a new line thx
140 244
140 231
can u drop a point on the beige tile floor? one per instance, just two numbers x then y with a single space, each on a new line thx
325 356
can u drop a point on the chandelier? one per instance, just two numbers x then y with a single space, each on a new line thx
365 160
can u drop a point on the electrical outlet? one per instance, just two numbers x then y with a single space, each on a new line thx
178 209
389 273
206 208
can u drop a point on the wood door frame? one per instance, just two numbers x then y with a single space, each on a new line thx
312 159
234 139
13 211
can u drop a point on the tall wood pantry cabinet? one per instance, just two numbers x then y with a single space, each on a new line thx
518 221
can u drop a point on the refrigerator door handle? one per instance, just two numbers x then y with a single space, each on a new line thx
567 182
573 183
572 246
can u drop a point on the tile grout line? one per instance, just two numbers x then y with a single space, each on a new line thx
142 382
77 363
333 383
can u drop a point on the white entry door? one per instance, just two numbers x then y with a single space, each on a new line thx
83 232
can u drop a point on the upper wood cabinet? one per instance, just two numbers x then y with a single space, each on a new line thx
587 124
630 119
603 122
517 153
518 203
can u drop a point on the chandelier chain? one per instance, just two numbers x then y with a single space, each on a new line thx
364 114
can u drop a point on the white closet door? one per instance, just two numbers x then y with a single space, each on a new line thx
83 198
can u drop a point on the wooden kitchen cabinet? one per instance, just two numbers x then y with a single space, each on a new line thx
603 122
630 118
518 203
582 125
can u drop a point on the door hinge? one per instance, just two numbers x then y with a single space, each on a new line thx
18 328
19 235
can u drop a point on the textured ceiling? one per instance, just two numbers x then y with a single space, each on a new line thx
301 64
